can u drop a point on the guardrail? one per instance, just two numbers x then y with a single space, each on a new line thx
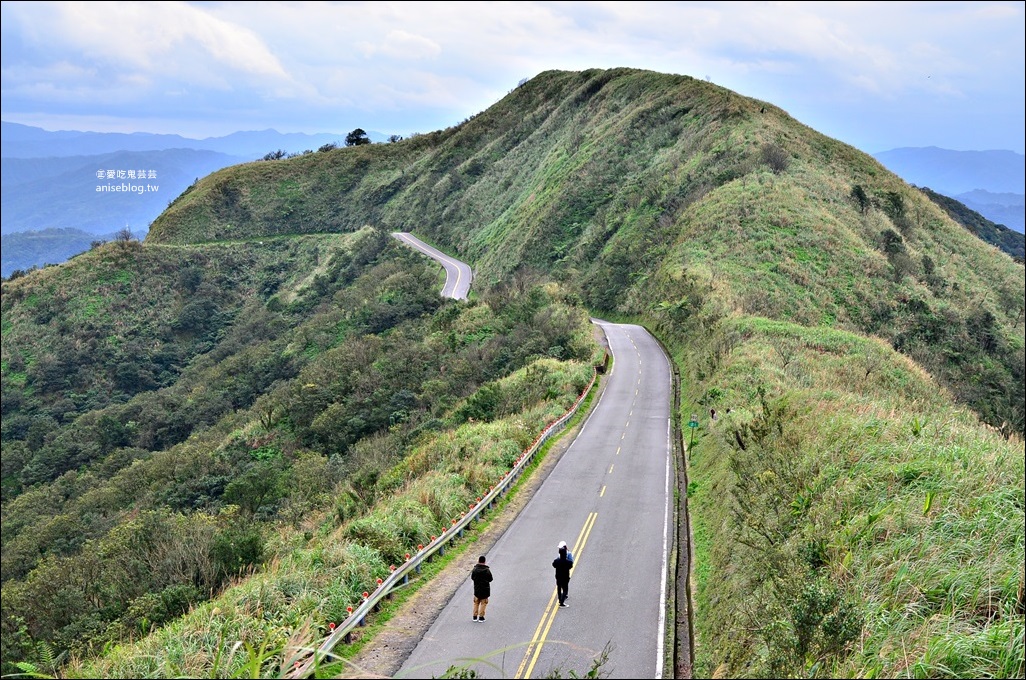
437 545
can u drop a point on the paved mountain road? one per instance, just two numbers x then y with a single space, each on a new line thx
610 497
609 493
458 275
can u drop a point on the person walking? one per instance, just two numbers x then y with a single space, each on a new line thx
562 565
481 575
569 556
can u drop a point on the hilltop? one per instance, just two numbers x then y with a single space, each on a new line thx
266 392
639 187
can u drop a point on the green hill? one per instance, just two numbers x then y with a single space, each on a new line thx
640 187
272 378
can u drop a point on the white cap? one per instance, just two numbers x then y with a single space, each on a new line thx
562 544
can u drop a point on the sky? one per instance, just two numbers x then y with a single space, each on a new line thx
875 75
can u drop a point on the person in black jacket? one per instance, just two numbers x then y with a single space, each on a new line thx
569 556
481 575
562 565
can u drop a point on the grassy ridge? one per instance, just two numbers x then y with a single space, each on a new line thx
616 182
850 521
859 510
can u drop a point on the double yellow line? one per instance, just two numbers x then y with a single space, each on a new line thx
542 631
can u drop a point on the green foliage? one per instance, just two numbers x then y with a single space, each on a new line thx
267 375
237 548
357 137
842 520
247 434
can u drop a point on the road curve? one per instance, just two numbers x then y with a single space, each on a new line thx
610 497
458 275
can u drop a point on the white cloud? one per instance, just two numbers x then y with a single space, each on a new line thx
157 38
402 45
434 63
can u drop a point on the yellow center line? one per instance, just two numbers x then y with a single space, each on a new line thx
618 450
610 470
549 615
602 492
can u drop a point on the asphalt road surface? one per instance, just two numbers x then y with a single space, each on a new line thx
458 275
610 497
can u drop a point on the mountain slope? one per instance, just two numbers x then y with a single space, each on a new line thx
852 514
624 181
1007 240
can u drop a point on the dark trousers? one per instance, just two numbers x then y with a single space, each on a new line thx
562 590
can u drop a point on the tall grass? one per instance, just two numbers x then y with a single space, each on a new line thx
850 522
270 619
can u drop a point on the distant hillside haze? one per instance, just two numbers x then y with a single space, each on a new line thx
1006 209
993 183
69 193
958 172
24 250
25 141
51 182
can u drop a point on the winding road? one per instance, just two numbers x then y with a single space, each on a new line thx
611 498
458 275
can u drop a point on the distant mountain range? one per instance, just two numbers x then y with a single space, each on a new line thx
993 183
56 185
25 141
69 192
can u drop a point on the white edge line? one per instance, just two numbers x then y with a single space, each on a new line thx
666 529
437 255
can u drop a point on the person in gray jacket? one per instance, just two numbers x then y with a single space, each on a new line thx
481 575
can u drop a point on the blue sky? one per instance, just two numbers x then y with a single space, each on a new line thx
877 75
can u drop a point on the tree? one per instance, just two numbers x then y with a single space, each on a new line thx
124 236
357 137
392 139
